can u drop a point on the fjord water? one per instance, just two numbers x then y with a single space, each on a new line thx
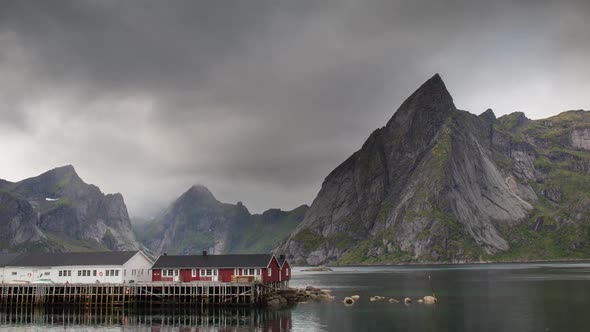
494 297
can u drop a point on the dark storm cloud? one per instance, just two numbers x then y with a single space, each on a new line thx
259 100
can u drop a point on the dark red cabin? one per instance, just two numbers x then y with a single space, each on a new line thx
263 268
285 268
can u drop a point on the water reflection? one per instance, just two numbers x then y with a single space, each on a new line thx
207 319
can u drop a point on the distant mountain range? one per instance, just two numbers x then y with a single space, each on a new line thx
435 184
197 221
438 184
57 211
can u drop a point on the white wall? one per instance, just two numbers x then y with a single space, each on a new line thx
138 269
123 273
43 274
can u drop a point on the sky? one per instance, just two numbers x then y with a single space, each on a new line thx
260 100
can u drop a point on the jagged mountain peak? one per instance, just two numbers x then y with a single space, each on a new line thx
66 214
488 115
423 112
62 171
198 193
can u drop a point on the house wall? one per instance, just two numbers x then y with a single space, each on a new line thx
123 273
156 275
275 274
51 274
284 275
223 275
137 269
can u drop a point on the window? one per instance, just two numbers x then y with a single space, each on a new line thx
60 273
69 273
169 273
13 273
208 272
116 273
46 273
193 273
83 273
107 273
258 272
269 272
287 272
236 272
79 273
88 273
94 273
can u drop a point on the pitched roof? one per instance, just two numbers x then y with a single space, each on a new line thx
282 259
6 259
213 261
74 258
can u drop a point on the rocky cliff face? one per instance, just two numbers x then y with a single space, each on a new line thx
197 221
437 184
58 211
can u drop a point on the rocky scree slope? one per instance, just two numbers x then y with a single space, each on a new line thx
438 184
58 211
197 221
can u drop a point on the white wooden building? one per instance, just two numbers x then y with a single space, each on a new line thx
79 267
6 259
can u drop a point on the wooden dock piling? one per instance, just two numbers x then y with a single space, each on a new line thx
146 295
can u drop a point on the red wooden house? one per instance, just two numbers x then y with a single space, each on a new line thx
263 268
285 269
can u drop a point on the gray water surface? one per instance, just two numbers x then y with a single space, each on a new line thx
495 297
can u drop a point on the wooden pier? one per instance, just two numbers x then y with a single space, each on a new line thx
140 296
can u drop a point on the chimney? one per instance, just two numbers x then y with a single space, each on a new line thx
204 252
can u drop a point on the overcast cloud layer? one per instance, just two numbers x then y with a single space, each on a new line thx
259 100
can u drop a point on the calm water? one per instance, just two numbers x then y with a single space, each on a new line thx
510 297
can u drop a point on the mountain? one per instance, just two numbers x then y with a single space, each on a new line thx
438 184
58 211
197 221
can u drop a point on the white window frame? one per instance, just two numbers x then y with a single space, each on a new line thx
194 273
269 272
287 271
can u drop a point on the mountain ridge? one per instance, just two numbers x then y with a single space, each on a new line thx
197 221
435 184
61 212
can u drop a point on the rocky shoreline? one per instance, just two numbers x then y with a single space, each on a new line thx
292 296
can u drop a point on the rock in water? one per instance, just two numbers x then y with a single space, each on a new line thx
348 300
430 299
407 300
355 297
